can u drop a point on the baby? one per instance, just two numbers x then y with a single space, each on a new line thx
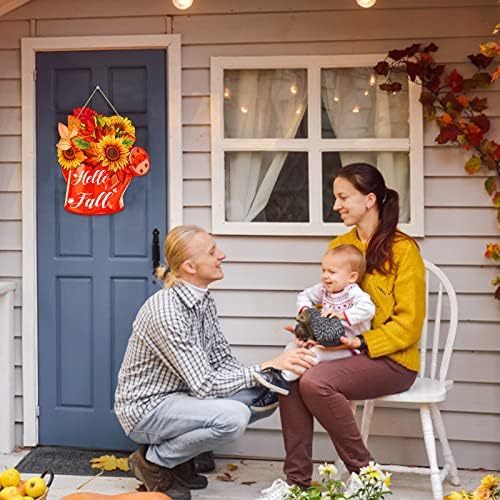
340 298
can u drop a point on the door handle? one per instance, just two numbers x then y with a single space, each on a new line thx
155 249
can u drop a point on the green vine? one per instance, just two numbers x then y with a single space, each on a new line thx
461 119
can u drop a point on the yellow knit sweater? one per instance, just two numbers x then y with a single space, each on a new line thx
399 298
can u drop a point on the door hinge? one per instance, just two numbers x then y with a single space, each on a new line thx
34 74
37 411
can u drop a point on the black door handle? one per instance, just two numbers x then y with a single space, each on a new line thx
155 249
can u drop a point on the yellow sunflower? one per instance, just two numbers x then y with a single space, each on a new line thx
122 125
112 153
70 158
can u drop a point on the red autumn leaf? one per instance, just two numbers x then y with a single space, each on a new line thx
427 97
397 54
432 47
414 70
447 133
413 49
382 68
497 152
477 104
391 87
482 121
475 138
455 81
480 60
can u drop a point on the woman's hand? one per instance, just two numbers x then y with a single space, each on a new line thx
295 360
350 342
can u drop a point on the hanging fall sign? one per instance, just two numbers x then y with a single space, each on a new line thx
98 161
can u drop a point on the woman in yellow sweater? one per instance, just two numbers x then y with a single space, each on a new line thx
389 359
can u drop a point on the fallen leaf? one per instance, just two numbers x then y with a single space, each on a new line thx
109 463
231 467
248 483
225 477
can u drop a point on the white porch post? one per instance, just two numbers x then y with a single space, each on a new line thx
7 419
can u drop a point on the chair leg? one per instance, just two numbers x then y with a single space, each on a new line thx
447 453
366 420
430 446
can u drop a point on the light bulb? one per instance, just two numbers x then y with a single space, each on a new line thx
227 93
182 4
355 109
244 109
294 89
366 4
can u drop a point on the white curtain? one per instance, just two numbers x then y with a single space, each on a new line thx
259 104
357 108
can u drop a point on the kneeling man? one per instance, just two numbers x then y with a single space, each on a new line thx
181 392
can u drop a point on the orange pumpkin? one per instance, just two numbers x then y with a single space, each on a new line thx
121 496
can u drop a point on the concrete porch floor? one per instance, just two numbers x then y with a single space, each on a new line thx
258 474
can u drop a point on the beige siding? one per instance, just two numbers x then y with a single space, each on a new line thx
263 274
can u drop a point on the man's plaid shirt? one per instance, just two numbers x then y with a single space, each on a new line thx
176 346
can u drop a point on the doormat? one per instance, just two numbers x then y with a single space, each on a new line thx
67 461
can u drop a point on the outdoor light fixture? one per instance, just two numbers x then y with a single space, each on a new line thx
364 3
184 4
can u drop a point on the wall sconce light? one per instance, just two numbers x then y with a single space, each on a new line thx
366 4
182 4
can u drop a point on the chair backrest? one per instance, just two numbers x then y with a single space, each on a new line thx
440 287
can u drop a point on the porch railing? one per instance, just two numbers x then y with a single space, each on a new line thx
7 413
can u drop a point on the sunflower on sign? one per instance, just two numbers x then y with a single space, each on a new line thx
98 160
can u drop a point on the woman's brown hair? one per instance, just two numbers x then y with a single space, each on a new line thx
367 179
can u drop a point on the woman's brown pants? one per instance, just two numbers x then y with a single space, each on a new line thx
324 392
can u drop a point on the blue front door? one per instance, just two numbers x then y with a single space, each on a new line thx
94 272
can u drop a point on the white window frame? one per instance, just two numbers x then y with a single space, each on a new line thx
314 145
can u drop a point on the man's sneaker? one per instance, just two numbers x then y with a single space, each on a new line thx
157 478
277 491
273 380
204 462
266 402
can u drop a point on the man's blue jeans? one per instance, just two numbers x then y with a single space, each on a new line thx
182 426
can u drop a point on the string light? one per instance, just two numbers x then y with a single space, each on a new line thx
293 89
366 4
244 109
366 92
227 93
355 109
336 99
373 81
182 4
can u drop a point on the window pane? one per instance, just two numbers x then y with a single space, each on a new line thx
266 186
265 103
395 168
357 108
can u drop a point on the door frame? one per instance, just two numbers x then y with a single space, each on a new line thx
29 47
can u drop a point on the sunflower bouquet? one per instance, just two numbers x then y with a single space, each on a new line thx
370 484
98 160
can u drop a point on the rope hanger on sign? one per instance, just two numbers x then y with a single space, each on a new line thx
98 89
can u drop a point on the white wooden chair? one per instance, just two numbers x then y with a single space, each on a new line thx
431 386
